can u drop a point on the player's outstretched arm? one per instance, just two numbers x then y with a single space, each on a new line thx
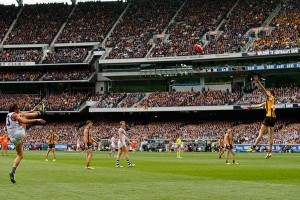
256 106
256 80
27 121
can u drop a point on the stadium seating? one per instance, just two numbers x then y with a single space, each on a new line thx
246 15
286 33
192 22
91 22
38 24
131 38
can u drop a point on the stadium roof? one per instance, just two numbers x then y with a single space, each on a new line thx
10 2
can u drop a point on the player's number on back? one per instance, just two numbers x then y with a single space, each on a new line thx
7 120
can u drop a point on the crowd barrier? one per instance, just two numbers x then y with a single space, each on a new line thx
162 145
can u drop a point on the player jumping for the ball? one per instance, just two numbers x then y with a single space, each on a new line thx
270 118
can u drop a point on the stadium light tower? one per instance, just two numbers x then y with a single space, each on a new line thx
20 2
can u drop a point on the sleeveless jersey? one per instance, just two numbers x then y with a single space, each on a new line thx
12 126
270 109
123 135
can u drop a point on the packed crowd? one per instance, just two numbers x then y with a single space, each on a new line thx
53 102
205 98
21 55
286 33
65 101
39 23
25 101
51 75
131 38
91 22
246 15
66 55
192 22
79 74
21 75
282 95
165 99
286 132
7 15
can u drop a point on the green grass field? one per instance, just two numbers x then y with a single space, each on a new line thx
156 176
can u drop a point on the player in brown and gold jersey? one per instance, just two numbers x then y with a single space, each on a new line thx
52 138
221 146
229 147
270 118
88 143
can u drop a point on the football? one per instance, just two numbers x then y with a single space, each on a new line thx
198 48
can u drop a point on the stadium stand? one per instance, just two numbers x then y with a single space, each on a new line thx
91 22
38 24
21 55
66 55
192 22
286 33
282 94
7 15
246 15
67 75
65 101
25 101
131 38
20 75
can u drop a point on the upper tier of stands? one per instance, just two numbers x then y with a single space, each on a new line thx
38 24
134 35
246 15
91 22
192 22
286 33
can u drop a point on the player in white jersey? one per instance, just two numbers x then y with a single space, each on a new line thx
122 145
112 145
78 147
16 125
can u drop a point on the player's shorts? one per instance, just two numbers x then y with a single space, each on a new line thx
17 136
269 121
89 145
113 146
4 146
120 144
229 147
221 147
51 146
